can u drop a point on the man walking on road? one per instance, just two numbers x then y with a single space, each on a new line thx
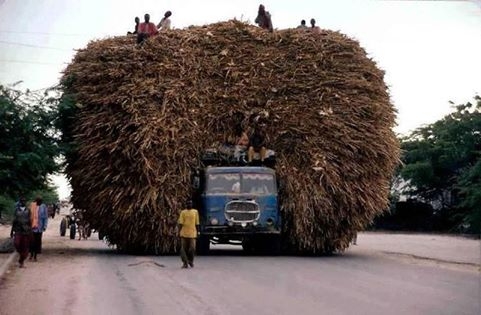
21 230
39 215
188 220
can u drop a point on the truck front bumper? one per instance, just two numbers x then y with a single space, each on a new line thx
223 230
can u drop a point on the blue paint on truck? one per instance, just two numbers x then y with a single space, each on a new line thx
238 205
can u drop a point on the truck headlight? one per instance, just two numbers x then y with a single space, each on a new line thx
214 221
270 222
254 223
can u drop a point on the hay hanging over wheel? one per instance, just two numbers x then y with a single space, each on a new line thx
143 114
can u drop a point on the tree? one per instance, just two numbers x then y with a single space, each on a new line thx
28 142
441 163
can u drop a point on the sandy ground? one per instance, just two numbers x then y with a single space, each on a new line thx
384 274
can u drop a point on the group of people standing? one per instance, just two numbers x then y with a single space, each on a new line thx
147 29
264 21
313 27
28 225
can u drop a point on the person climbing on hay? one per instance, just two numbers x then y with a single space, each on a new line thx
165 22
146 30
188 222
263 19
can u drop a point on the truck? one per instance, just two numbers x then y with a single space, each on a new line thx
238 204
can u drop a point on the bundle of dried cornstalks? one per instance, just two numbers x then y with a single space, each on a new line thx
144 113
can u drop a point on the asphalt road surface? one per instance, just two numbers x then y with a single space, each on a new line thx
87 277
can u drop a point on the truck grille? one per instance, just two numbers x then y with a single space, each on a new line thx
242 211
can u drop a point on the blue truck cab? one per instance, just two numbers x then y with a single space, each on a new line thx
238 205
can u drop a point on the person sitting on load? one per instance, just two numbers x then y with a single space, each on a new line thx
240 141
146 29
256 144
164 24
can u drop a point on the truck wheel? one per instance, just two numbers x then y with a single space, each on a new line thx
248 245
274 245
63 227
203 245
73 231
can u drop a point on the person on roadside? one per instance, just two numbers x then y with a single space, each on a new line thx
21 230
146 29
303 24
39 218
257 144
314 28
165 22
263 19
136 30
188 222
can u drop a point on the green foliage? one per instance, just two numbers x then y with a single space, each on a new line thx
6 207
470 192
28 141
441 162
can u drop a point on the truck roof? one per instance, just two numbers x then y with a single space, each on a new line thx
239 169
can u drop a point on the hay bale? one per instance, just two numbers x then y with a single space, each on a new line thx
145 113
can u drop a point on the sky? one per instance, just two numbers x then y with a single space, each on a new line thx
430 50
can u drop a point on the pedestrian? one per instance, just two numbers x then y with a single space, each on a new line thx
164 23
146 29
188 222
314 28
136 30
21 230
354 239
263 19
39 218
303 24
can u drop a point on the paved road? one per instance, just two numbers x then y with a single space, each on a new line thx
86 277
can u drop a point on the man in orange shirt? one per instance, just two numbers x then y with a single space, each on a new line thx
146 29
188 221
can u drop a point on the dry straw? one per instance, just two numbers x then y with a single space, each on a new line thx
144 113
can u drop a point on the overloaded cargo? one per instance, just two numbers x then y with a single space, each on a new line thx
144 114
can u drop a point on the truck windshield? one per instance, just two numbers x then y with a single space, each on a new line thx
232 183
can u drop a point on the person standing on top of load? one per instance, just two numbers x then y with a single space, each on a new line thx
146 29
21 230
164 24
188 222
256 144
137 22
263 19
303 24
314 28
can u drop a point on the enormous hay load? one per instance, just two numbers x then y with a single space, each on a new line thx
144 114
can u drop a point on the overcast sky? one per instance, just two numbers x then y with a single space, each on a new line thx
430 50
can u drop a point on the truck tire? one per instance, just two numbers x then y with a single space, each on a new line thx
273 245
249 245
203 245
73 231
63 227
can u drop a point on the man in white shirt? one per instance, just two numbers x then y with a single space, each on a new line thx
164 24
